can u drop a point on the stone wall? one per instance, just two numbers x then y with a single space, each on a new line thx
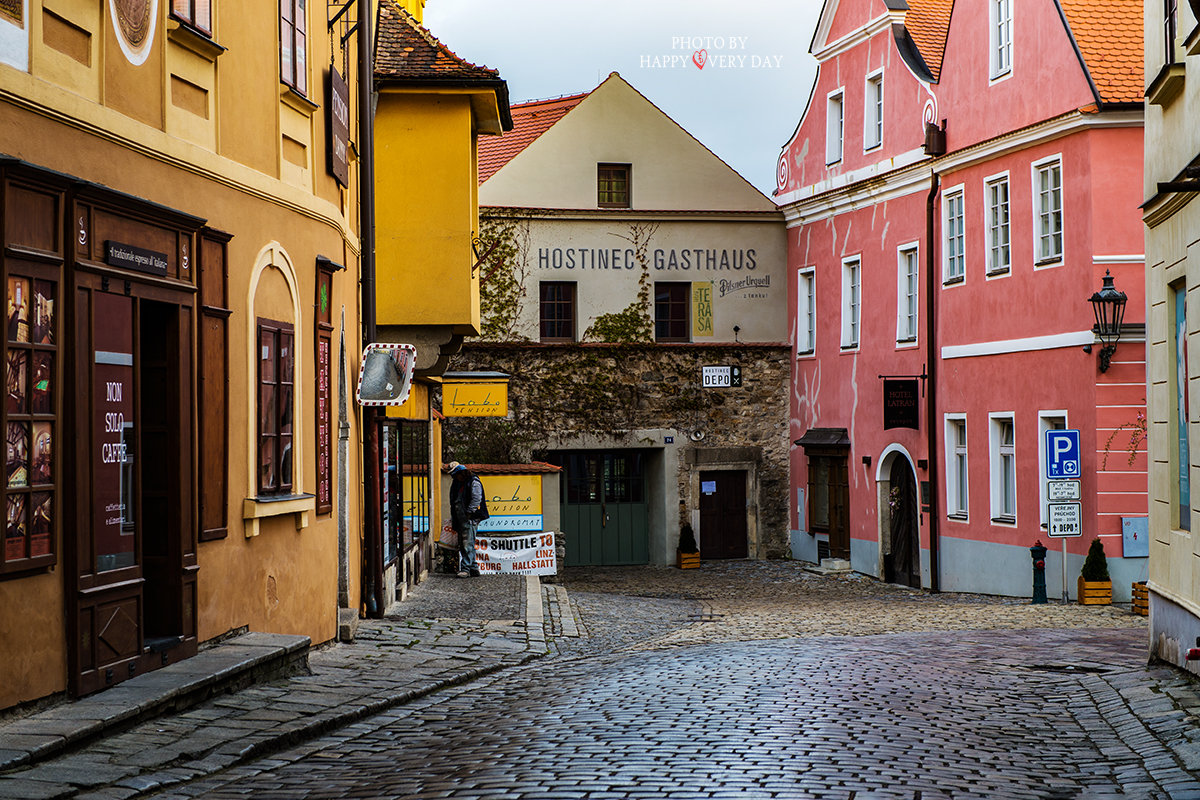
610 391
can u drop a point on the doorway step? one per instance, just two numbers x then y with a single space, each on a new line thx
830 566
228 666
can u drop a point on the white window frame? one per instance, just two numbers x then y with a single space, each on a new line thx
908 294
806 312
958 484
1003 465
851 302
1042 258
1047 420
873 112
954 234
835 126
998 226
1000 39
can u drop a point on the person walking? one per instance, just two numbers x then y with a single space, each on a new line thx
467 509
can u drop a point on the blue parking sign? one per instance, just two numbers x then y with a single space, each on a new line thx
1062 454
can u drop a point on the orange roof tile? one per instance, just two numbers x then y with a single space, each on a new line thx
530 120
1110 37
927 22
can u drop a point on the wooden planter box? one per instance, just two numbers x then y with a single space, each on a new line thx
1141 599
687 560
1095 593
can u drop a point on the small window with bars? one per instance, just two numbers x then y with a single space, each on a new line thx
613 185
671 312
557 304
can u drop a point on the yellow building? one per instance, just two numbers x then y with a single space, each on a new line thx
180 263
432 107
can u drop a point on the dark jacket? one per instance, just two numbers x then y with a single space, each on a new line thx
467 501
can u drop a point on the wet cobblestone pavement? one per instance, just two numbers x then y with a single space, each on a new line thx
738 679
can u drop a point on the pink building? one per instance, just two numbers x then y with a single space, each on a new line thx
962 180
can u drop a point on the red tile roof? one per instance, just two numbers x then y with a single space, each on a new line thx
927 22
1110 37
406 50
530 120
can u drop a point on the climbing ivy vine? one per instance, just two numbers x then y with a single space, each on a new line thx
634 324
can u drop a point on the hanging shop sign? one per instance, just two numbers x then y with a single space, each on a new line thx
721 377
531 554
475 399
901 403
339 128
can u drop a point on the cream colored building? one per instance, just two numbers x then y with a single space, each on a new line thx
1172 181
638 262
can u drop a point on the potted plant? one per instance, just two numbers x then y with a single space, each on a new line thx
688 554
1095 586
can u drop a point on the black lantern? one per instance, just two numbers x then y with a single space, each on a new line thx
1109 305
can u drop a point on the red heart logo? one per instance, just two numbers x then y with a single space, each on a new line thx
699 58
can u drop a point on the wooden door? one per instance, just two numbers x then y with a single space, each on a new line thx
605 514
132 586
905 537
829 497
723 514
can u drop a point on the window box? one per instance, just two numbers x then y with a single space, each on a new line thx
255 509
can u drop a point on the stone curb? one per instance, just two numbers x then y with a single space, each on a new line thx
67 727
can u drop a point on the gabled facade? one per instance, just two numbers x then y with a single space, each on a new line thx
1172 225
180 273
963 178
634 258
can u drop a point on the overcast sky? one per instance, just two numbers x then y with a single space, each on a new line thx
743 104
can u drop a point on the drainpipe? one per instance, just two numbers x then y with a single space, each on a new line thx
373 540
935 583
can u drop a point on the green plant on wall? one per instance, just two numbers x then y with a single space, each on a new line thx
505 240
634 323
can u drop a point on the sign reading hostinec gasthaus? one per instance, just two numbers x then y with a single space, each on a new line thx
531 554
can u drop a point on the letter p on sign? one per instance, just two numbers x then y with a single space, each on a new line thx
1062 455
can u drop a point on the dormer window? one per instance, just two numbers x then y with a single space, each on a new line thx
1001 38
612 184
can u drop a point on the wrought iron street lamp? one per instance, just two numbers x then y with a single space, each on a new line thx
1109 306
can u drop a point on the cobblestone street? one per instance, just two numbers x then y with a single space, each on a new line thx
727 682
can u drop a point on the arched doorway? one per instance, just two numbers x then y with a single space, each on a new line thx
905 523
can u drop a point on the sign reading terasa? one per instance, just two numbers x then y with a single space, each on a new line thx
901 406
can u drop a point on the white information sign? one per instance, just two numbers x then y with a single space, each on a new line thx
531 554
1057 491
1066 519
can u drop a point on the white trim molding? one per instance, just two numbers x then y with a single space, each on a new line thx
1028 345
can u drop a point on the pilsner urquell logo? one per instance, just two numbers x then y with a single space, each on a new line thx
709 51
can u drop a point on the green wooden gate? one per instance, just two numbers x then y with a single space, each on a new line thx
604 512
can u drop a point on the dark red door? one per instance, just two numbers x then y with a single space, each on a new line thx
723 514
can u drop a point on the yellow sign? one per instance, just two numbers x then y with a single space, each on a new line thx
702 308
475 399
513 494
